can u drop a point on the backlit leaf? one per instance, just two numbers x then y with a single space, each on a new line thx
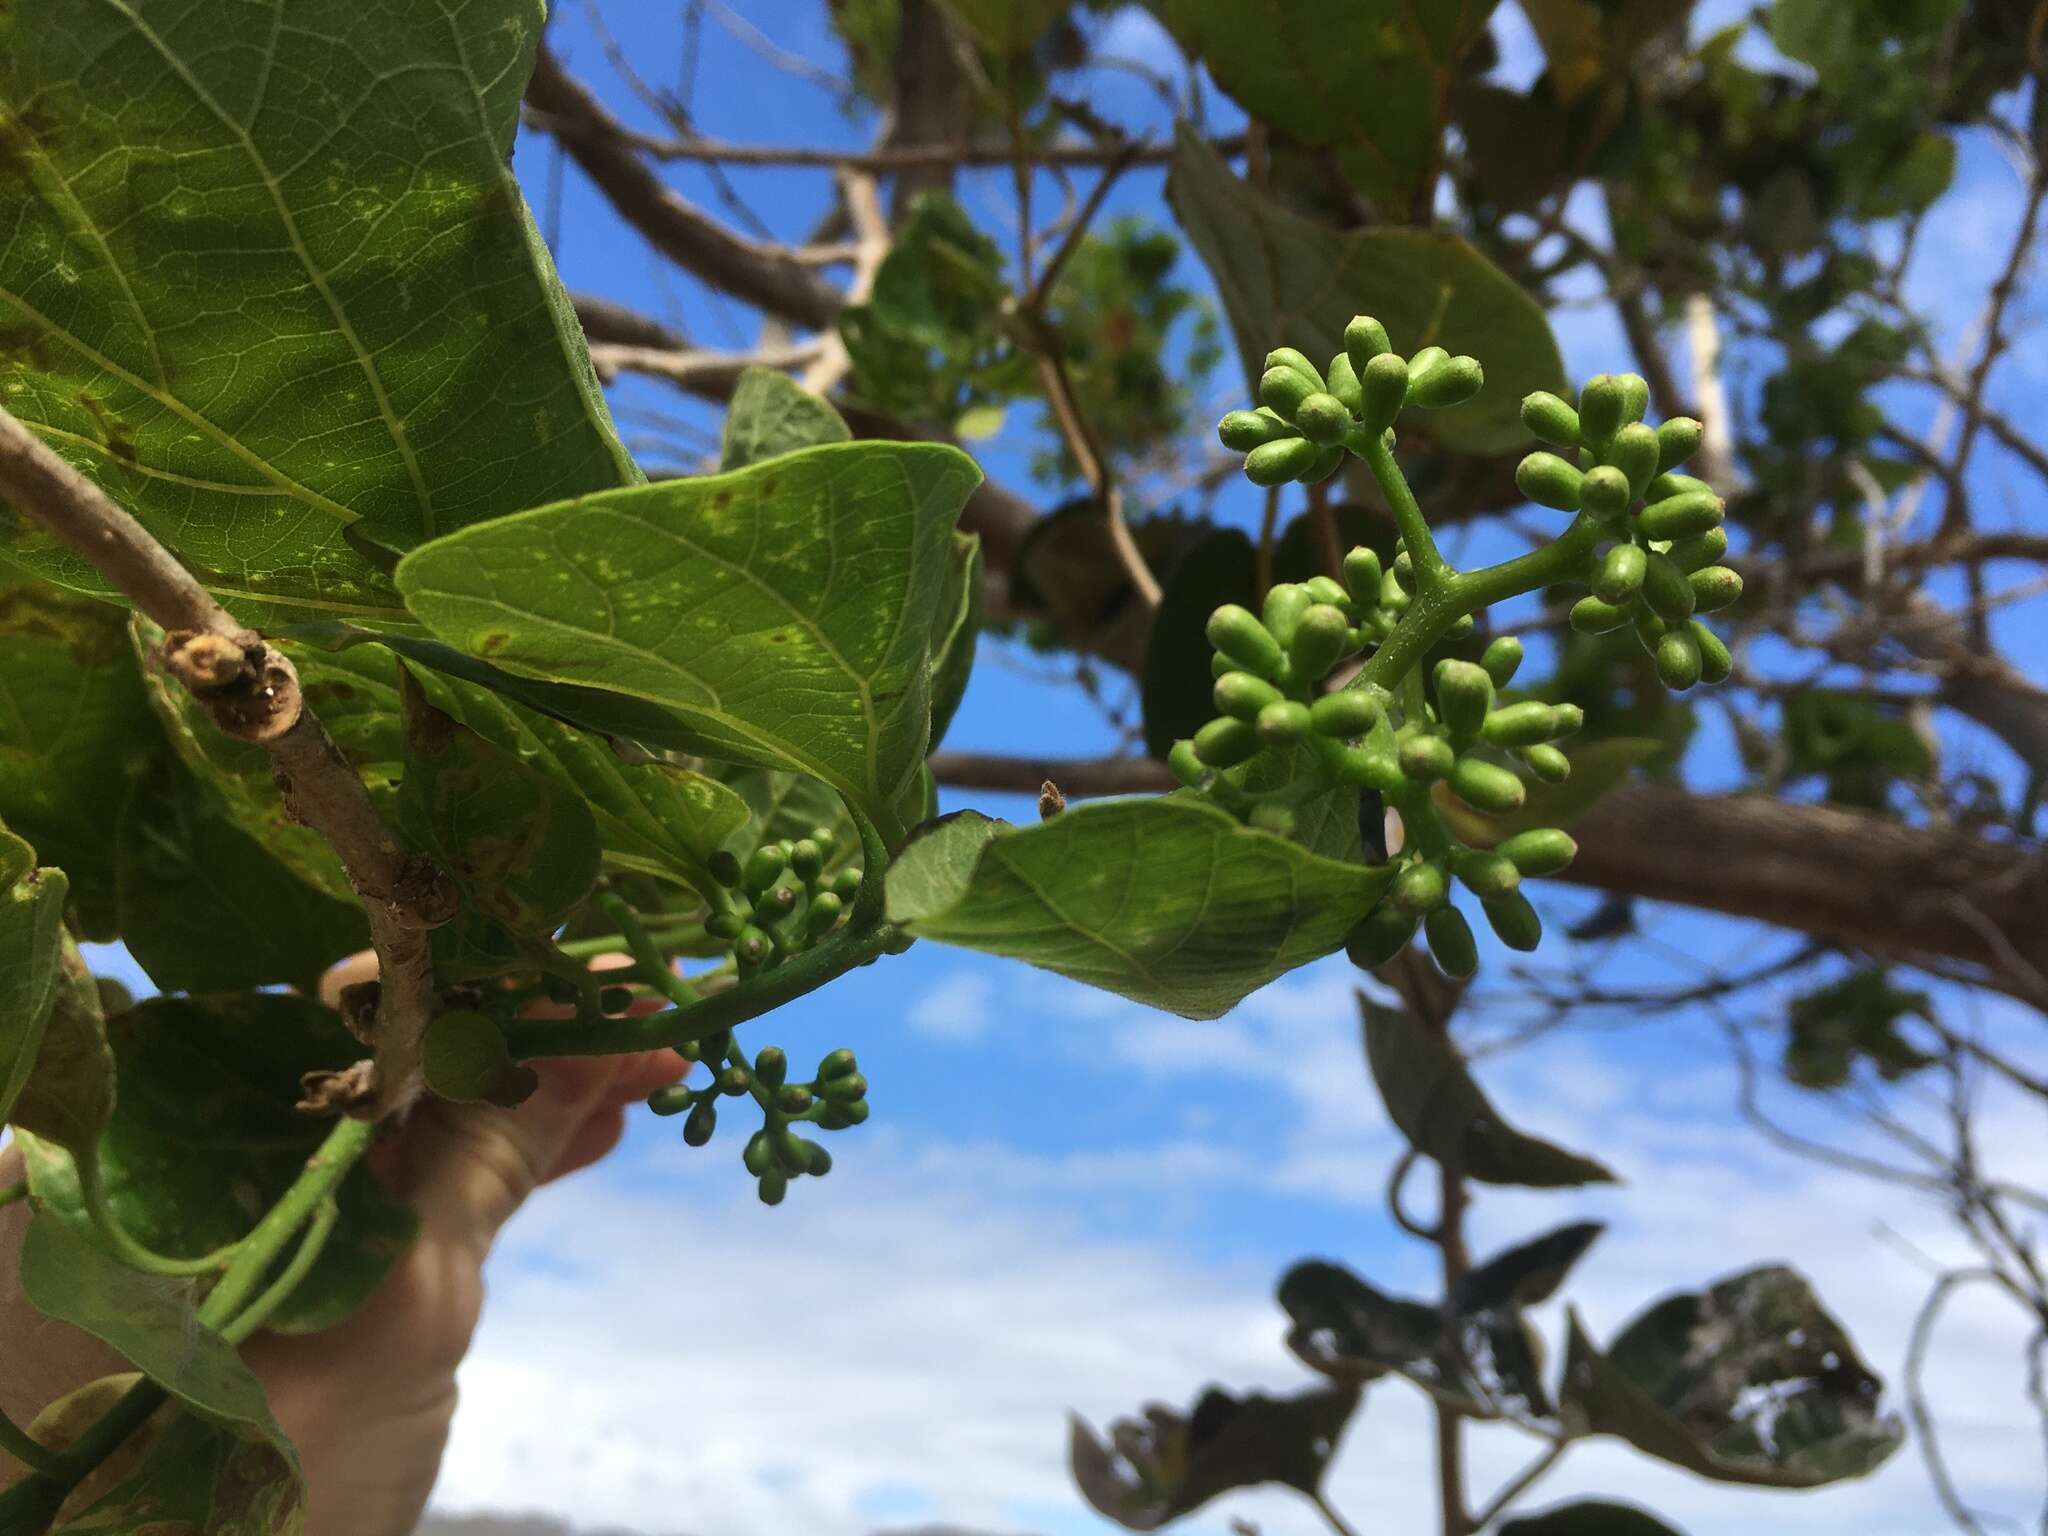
770 414
468 1061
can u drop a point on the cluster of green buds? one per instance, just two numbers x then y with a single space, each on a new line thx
834 1099
1663 566
780 899
1307 420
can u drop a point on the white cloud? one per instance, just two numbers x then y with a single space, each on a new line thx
957 1009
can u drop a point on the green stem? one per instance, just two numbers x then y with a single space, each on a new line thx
1431 570
615 943
93 1191
652 965
32 1503
30 1452
280 1290
256 1252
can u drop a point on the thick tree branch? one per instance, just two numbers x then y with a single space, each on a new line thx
252 692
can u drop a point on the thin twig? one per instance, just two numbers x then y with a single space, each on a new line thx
1520 1484
1916 1395
862 200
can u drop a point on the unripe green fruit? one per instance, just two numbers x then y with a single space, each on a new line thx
672 1100
773 1187
1226 743
702 1124
1238 634
849 1089
752 947
1715 588
1464 693
1365 339
1322 589
764 868
771 1066
857 1113
726 925
1700 551
1548 481
1242 431
820 1163
1346 713
1286 602
1277 463
1418 889
1450 382
1294 362
1547 763
1634 452
1486 786
792 1152
1383 934
1514 920
1343 379
1681 517
1450 942
1486 874
725 868
1620 576
1323 419
1502 658
760 1155
734 1081
823 915
1383 384
1666 589
1425 360
1319 640
846 883
1605 493
1539 851
1590 616
1677 440
1284 723
839 1063
806 860
1362 576
1569 719
1635 396
1187 767
1678 659
1715 662
1242 695
1425 759
1602 409
1551 419
793 1099
1664 487
1521 724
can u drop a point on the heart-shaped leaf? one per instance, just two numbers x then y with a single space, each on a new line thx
771 414
1287 279
1748 1381
205 1136
1167 901
268 278
1434 1101
467 1060
1588 1517
1159 1467
31 960
784 611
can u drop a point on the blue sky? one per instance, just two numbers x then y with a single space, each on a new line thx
1063 1201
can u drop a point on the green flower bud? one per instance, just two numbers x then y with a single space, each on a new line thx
1418 889
703 1122
1393 596
1664 487
1681 517
1242 431
1451 382
1602 409
820 1162
846 1089
793 1098
734 1081
760 1155
1226 743
1590 616
1322 589
1502 658
1605 493
1569 720
1547 763
1425 360
1648 626
1404 565
1635 396
1620 576
1278 463
839 1063
1548 481
1383 934
1286 602
724 867
1323 419
1464 693
1677 440
771 1066
773 1186
1343 379
846 883
672 1100
1319 640
1284 723
1514 920
1679 662
1186 766
1551 419
1425 759
781 900
856 1113
806 860
1325 464
752 947
1715 662
1715 588
1633 451
1241 695
1700 551
1383 383
1539 851
727 924
1450 942
1364 339
1238 634
823 915
1295 362
1521 724
1461 628
1346 713
1486 787
1486 873
1362 576
715 1046
764 868
1666 589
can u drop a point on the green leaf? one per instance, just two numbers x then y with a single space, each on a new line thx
522 847
1528 1273
204 1138
74 727
197 1476
31 960
1165 901
1167 1464
1588 1517
783 612
69 1095
1587 41
1176 683
468 1061
954 633
204 908
1749 1381
268 278
1287 279
1298 68
1830 1028
771 414
1434 1101
1006 27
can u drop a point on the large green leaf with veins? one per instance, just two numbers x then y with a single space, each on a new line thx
1287 279
784 612
1167 901
265 274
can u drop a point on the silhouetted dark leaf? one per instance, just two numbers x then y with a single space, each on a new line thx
1858 1017
1177 681
1588 1517
1528 1273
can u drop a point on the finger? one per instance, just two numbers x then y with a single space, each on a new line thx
599 1133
